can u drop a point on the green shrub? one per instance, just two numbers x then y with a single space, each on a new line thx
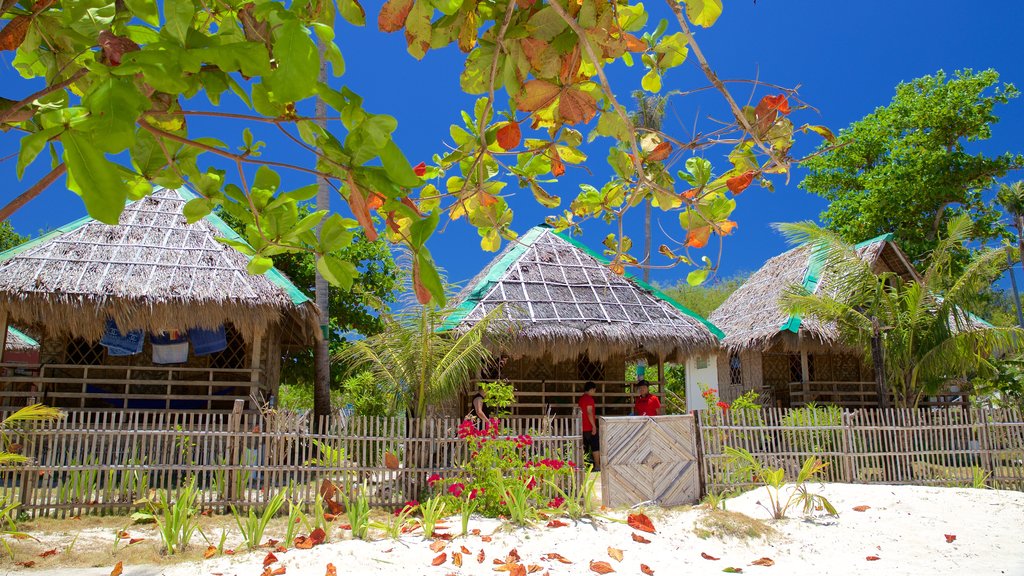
299 397
499 397
367 396
813 441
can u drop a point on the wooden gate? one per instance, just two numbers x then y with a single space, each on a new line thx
649 459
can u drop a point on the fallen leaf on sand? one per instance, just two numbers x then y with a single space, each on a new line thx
269 559
48 553
118 569
646 570
229 552
601 567
872 558
950 538
485 538
465 550
437 545
556 556
303 543
210 551
707 556
534 568
279 571
280 549
388 551
270 543
556 524
457 559
732 570
331 570
135 541
640 522
475 531
480 557
640 539
318 536
123 535
763 562
439 559
26 563
513 556
861 508
615 553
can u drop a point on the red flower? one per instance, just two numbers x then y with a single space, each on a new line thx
420 169
433 479
457 489
531 484
709 393
556 502
723 405
474 492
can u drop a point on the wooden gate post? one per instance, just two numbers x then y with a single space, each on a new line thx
849 462
235 449
702 488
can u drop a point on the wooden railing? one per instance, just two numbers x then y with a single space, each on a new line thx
858 395
101 387
560 397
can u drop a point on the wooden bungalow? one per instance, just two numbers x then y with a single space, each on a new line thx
151 276
790 360
567 319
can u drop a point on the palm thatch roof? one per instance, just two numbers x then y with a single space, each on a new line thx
152 271
752 317
18 341
560 300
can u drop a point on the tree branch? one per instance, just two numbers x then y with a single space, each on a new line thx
32 192
14 108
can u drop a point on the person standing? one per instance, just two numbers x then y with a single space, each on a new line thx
591 442
646 404
479 410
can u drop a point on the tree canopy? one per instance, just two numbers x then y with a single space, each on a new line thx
907 168
126 84
704 299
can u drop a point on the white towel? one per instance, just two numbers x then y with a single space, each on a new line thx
170 353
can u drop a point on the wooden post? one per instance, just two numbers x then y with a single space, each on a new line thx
254 376
805 375
849 462
235 448
661 382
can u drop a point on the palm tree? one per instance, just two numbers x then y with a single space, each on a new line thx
649 113
917 331
321 347
33 413
1011 197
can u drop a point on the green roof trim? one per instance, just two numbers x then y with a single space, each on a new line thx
69 227
298 297
658 293
815 264
30 340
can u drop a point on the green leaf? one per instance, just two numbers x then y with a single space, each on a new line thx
298 63
259 264
651 81
632 18
114 104
196 209
32 144
145 10
398 167
621 163
178 16
703 12
697 277
421 230
541 196
447 7
673 50
352 11
239 245
700 168
546 24
336 271
97 179
334 234
325 35
429 277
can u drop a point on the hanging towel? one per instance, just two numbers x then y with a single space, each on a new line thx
170 347
206 342
119 344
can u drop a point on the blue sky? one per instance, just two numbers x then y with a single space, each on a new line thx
845 56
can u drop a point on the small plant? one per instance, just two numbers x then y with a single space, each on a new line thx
499 396
467 509
9 526
80 485
398 523
330 457
357 507
578 499
223 481
715 500
517 501
253 525
774 479
177 522
432 510
320 518
979 478
295 519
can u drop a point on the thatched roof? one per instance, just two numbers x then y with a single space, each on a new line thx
753 319
560 300
18 341
152 271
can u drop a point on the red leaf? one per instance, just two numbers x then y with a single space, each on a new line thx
303 543
509 135
707 556
122 535
485 538
118 569
14 33
763 562
697 238
646 570
391 461
48 553
269 559
872 558
660 152
26 563
437 545
537 94
950 538
393 14
439 559
738 184
640 539
601 567
135 540
361 210
420 169
634 44
114 46
861 508
480 557
318 536
278 571
558 557
576 106
465 550
280 548
640 522
777 102
556 524
331 570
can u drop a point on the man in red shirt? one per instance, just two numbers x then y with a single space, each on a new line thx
646 404
591 442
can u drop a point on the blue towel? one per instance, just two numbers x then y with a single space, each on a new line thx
119 344
206 342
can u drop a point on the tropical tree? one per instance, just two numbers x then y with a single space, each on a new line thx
918 331
649 113
1011 198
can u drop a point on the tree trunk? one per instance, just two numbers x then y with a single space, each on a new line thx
647 242
878 358
321 348
1013 284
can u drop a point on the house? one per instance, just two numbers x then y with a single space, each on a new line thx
565 318
153 313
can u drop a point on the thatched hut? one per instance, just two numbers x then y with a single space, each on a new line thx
191 329
566 319
787 359
20 348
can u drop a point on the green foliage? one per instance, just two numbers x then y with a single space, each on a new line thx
329 456
9 238
499 397
432 511
357 508
1005 387
299 397
927 333
675 382
367 396
252 526
775 478
704 299
905 168
177 522
806 435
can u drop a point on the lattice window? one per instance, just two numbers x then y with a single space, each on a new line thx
234 356
538 371
796 371
81 352
588 370
847 368
735 370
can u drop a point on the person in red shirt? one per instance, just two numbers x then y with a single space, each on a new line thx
591 442
646 404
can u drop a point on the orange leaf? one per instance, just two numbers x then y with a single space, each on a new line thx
457 559
763 562
303 543
646 570
634 44
950 538
475 531
576 106
375 201
122 535
615 553
280 548
393 14
485 538
14 33
697 238
660 152
707 556
118 569
537 94
210 551
229 552
725 227
872 558
465 550
534 568
134 540
558 557
861 508
513 556
269 559
570 65
556 524
437 545
391 461
640 522
439 559
480 557
26 563
601 567
361 210
509 135
48 553
278 571
768 103
331 570
318 536
738 184
517 570
422 293
640 539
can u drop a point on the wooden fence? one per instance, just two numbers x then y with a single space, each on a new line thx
942 447
103 462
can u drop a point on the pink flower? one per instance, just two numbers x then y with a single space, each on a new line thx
723 405
457 489
556 502
433 479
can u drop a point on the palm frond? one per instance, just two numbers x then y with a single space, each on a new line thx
33 413
965 353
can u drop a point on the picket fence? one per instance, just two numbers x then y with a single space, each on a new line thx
99 462
938 447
